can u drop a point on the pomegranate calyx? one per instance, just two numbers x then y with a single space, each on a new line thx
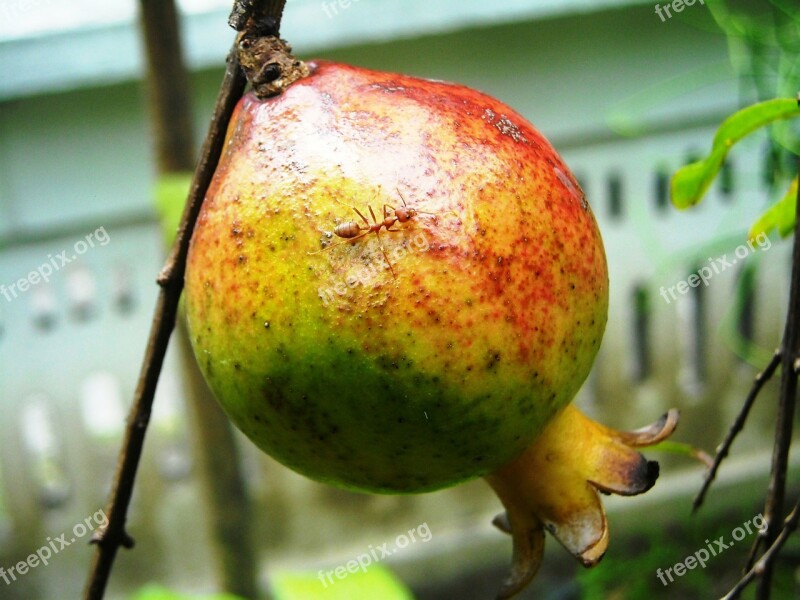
554 485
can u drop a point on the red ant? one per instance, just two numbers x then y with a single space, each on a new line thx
352 230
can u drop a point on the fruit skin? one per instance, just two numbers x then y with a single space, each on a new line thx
403 383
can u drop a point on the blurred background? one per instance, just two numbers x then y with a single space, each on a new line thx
624 94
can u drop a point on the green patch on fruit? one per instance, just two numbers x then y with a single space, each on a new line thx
284 398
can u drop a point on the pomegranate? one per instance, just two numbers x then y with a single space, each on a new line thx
396 285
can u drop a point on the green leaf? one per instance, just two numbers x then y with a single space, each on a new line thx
376 582
691 182
157 592
630 117
670 447
170 195
780 216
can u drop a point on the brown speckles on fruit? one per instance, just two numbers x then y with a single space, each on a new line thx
455 335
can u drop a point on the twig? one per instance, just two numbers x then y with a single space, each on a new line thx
738 424
213 443
768 558
751 558
110 538
785 417
113 535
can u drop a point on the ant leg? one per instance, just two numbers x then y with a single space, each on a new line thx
399 193
437 215
358 212
372 212
388 262
359 236
345 204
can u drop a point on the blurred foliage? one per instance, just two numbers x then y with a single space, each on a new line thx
376 582
764 50
763 42
630 571
170 195
156 592
779 216
682 449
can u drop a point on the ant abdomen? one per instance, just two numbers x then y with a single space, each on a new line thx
347 230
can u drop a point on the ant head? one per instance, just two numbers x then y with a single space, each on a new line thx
405 213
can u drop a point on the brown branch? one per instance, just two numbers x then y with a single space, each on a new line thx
773 508
753 555
213 444
113 535
788 357
738 424
170 279
167 86
768 558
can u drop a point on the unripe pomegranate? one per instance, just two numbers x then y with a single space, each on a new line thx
396 285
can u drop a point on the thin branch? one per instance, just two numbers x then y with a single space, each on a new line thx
773 509
768 558
113 535
110 538
738 425
213 443
751 558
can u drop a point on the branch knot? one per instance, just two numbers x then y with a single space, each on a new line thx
268 63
